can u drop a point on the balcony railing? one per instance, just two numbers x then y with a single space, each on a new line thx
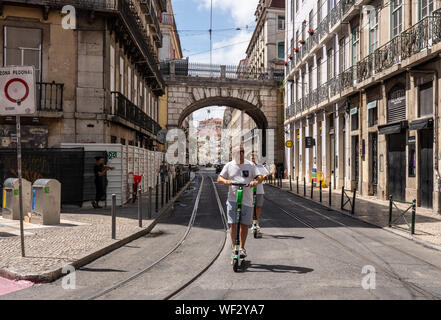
127 110
83 4
167 18
347 79
335 14
50 96
334 86
323 93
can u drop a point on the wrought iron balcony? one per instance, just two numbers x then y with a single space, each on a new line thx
127 110
334 85
417 38
347 79
335 14
323 28
323 93
50 96
347 5
83 4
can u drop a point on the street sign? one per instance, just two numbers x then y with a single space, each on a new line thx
289 144
309 142
17 91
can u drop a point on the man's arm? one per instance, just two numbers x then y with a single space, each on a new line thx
257 180
221 178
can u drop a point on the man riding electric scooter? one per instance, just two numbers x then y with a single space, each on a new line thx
243 172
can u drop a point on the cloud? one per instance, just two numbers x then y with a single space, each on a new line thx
228 51
242 11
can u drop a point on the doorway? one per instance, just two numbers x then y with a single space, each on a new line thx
426 168
355 160
396 158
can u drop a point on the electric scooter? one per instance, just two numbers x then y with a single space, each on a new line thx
254 213
237 260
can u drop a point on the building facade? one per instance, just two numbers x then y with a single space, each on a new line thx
362 96
98 81
171 50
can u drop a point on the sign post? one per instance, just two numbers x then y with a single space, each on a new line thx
17 97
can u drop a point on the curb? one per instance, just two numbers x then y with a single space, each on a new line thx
396 232
57 273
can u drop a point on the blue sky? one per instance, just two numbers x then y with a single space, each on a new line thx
229 45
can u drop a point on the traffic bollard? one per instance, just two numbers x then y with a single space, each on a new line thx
162 193
113 216
412 227
390 211
330 194
290 183
297 184
320 191
150 204
157 196
139 208
304 186
353 202
312 189
342 196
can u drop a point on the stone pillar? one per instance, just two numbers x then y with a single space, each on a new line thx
301 149
315 154
348 152
323 144
172 70
309 151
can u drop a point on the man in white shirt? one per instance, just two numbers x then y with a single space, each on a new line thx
260 192
240 171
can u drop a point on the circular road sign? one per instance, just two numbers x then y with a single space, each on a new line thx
289 144
16 90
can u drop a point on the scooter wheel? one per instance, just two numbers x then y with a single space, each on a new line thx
255 234
235 265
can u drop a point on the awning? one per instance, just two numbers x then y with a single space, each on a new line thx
420 124
392 128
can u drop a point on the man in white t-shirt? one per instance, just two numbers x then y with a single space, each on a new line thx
240 171
260 192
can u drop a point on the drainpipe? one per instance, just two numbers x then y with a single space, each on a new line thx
435 125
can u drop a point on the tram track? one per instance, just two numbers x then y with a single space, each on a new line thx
408 285
179 244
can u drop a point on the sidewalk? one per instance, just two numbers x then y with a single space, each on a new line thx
375 211
83 235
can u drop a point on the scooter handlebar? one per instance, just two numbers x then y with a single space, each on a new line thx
240 184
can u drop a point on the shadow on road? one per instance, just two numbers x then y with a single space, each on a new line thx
277 268
282 237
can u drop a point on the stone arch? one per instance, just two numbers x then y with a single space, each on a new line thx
251 110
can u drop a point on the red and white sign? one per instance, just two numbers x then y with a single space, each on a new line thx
17 91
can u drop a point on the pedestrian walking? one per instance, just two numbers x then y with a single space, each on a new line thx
163 169
261 170
100 171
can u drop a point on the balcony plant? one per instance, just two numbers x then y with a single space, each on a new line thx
302 42
290 56
296 49
285 63
311 31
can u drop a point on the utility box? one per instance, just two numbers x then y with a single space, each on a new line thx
46 202
11 198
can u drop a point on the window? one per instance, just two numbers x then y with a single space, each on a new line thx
123 141
281 50
121 75
281 23
319 12
113 139
310 80
372 113
22 47
426 8
297 5
303 30
311 21
355 46
354 119
292 10
135 91
319 72
397 17
373 30
112 76
330 64
129 83
341 55
425 99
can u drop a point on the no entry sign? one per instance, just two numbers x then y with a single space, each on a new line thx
17 91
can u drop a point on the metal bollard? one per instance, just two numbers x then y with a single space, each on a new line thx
150 204
390 211
113 216
412 226
304 186
157 196
290 183
330 194
297 184
342 195
162 193
312 189
320 191
139 208
353 202
167 190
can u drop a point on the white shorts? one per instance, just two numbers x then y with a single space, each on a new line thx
246 215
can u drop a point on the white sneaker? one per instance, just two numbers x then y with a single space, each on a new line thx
242 253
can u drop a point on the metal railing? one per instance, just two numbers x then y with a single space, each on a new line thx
50 96
130 112
84 4
323 93
167 18
346 78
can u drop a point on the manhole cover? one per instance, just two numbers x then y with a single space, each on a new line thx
6 235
